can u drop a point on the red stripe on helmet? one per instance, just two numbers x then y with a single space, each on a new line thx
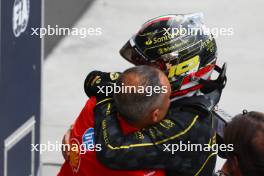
157 20
185 91
198 74
187 80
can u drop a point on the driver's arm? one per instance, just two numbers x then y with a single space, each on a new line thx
150 147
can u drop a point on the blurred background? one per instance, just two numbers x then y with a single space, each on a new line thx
68 59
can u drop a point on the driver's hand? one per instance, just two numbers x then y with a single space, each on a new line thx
96 79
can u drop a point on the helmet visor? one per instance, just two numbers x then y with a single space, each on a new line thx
132 55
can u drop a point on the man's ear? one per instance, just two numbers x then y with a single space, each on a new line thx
155 115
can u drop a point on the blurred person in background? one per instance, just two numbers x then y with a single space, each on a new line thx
246 133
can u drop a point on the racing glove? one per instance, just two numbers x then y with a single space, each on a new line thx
100 84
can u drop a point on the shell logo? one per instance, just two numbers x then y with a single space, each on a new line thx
75 158
148 42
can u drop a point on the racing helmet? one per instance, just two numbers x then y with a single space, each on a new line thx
180 46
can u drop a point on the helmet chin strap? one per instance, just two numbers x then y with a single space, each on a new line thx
218 83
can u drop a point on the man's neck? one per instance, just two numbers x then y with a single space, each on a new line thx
137 125
134 125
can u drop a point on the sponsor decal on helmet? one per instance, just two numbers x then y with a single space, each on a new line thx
173 44
148 42
190 65
157 40
209 45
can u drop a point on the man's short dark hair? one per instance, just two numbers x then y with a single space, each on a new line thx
134 106
246 133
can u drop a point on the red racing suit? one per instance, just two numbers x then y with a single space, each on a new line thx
83 161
